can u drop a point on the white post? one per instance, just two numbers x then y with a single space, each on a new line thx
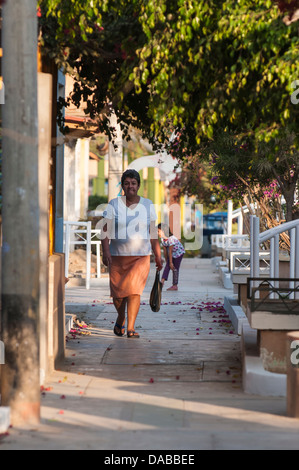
297 259
240 224
67 248
255 251
276 260
229 217
272 257
88 254
98 260
255 247
292 258
251 245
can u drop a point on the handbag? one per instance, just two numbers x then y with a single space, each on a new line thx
156 293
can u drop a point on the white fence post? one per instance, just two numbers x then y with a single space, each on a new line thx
88 254
229 217
276 256
256 247
276 260
255 253
67 249
98 261
292 258
296 273
240 224
251 245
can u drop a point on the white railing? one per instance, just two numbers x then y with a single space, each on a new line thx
235 242
273 235
229 243
217 240
240 263
74 234
236 214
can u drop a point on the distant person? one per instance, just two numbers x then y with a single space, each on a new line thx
173 253
130 236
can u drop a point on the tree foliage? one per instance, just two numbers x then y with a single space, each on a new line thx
219 75
184 65
96 42
266 175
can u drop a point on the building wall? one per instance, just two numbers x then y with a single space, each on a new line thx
76 179
44 156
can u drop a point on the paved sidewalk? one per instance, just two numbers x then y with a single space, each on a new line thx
178 387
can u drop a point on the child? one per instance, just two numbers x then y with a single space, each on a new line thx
173 252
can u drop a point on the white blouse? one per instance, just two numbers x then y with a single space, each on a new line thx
130 228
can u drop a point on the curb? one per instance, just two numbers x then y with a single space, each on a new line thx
236 313
256 380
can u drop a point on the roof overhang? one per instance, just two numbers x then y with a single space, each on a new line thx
80 127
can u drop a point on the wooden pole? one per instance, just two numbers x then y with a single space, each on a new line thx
20 383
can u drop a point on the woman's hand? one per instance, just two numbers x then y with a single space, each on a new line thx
171 266
157 251
106 259
159 263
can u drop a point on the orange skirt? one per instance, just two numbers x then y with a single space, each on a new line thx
128 275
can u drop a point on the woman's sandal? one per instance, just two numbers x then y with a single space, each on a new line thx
121 331
132 334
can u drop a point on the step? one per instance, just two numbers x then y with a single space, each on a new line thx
257 380
69 322
216 260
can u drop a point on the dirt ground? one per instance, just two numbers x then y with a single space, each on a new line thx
77 264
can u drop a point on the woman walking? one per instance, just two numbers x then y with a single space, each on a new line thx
130 236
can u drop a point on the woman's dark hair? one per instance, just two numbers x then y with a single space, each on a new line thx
130 174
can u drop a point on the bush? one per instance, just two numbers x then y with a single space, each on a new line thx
95 201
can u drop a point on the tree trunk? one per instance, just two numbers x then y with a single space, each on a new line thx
289 195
